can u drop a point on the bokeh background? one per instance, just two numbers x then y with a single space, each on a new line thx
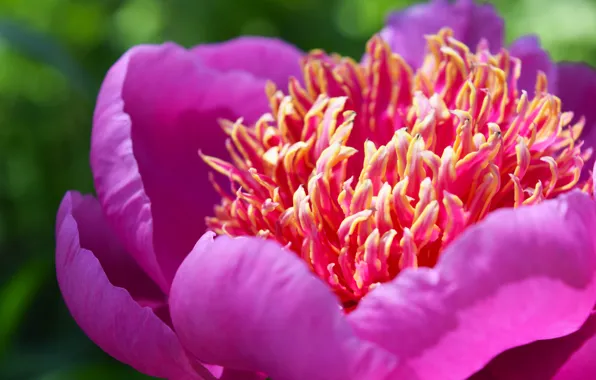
53 56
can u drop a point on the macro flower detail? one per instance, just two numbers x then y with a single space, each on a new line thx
472 22
372 168
426 213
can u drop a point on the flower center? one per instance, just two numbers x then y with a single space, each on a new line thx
368 169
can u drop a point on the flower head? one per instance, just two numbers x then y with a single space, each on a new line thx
372 168
408 217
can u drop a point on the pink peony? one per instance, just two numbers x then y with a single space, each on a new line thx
408 217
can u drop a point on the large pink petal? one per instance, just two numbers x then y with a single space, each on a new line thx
248 304
230 374
576 87
567 358
86 251
265 58
534 59
116 173
405 29
120 268
517 277
158 106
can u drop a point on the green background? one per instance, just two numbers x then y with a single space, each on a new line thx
53 56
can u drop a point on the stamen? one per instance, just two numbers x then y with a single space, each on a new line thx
370 169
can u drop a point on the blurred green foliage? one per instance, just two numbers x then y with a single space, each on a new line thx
53 55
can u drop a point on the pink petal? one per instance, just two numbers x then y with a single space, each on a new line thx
230 374
517 277
158 106
470 22
534 59
567 358
265 58
86 251
577 89
118 265
247 304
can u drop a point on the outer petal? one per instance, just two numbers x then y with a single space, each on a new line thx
567 358
577 90
158 106
517 277
265 58
230 374
534 59
470 22
107 313
248 304
118 265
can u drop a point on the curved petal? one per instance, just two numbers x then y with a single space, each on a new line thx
230 374
248 304
567 358
405 29
534 59
517 277
157 107
265 58
116 173
577 90
221 373
119 267
107 313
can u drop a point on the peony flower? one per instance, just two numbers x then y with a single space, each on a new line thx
376 220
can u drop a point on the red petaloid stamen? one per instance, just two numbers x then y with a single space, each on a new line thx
370 168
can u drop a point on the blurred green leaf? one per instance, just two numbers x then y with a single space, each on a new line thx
16 296
63 359
46 49
94 372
